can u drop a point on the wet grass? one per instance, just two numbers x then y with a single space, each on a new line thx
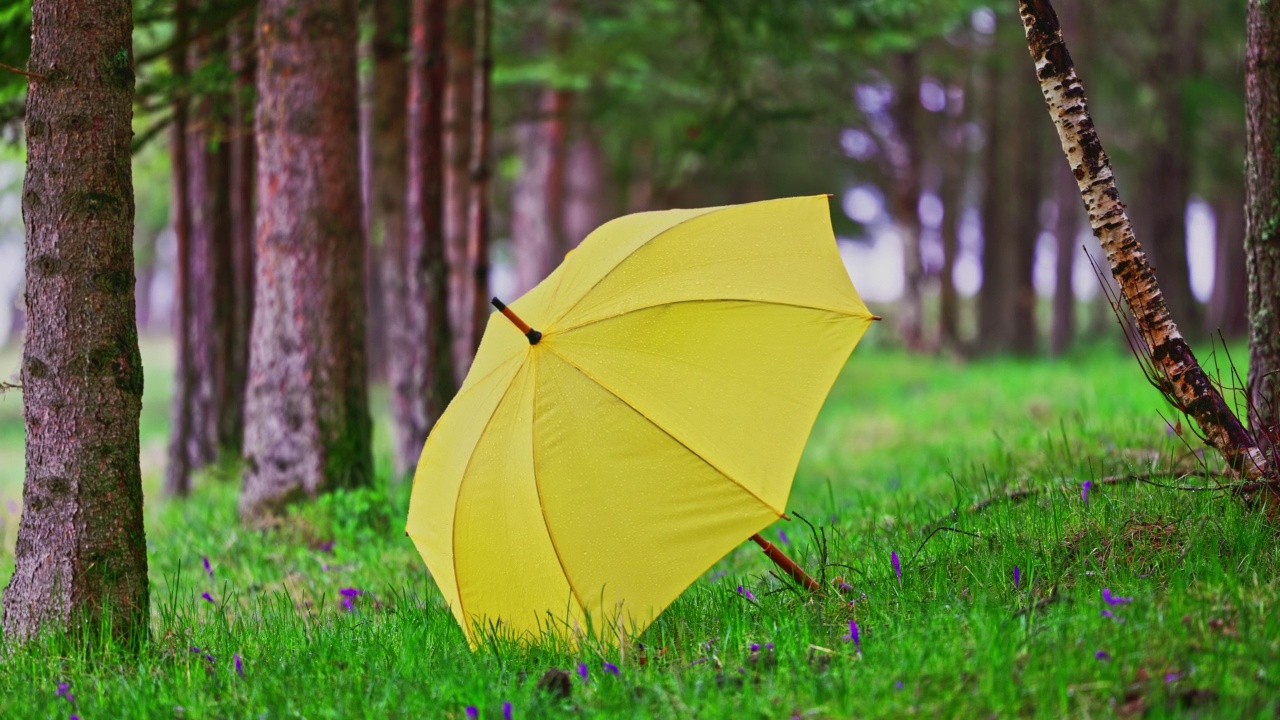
901 453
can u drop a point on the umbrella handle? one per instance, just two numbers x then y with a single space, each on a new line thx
533 335
788 565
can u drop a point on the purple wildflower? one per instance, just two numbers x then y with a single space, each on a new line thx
755 647
1172 677
326 546
846 586
1103 656
64 691
348 597
854 636
74 717
207 567
782 537
897 566
611 668
506 711
208 597
746 593
582 671
1017 577
239 667
1084 491
472 711
897 685
1113 600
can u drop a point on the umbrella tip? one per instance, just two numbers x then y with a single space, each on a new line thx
876 317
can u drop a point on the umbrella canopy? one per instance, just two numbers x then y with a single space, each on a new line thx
588 472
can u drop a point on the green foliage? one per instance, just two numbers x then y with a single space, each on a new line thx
901 443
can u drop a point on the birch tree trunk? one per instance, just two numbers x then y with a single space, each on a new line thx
1262 213
1174 367
307 417
81 550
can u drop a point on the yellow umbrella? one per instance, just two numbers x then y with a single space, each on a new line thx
589 470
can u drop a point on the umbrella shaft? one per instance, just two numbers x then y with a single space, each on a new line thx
788 565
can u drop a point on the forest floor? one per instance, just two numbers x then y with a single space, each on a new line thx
1141 599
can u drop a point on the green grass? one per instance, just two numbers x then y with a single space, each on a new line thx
901 443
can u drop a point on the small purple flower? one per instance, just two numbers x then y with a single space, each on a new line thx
1114 600
472 711
746 593
1103 656
208 598
582 671
64 691
1172 677
326 546
782 537
755 647
506 711
1017 577
74 717
897 566
239 667
1084 491
1112 616
611 668
207 567
854 636
348 597
846 586
897 685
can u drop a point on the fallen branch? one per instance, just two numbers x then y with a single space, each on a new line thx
1177 373
20 71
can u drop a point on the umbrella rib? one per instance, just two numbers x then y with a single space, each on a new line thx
669 434
542 506
801 306
453 532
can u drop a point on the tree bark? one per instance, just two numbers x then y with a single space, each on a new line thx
585 189
905 196
178 471
307 419
954 163
460 38
425 391
538 197
1063 329
388 154
1027 173
478 203
996 230
81 550
1262 216
1229 304
1173 366
243 220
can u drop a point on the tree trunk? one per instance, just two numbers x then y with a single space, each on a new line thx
996 232
307 418
1171 364
243 231
1027 173
538 197
905 197
1063 330
585 189
429 340
183 445
375 317
81 549
1262 213
478 204
1229 304
460 38
954 163
388 155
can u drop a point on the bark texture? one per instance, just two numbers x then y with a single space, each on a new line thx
81 549
243 170
1262 214
388 178
478 202
996 229
307 419
1229 304
1176 371
460 39
420 394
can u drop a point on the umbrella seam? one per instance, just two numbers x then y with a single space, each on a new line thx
732 481
453 532
630 255
542 507
866 315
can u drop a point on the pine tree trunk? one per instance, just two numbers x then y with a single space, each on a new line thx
585 188
1027 174
954 163
905 197
478 203
1063 330
996 232
1178 374
183 444
375 336
1229 304
307 426
429 342
81 547
1262 213
460 38
388 154
243 220
538 197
